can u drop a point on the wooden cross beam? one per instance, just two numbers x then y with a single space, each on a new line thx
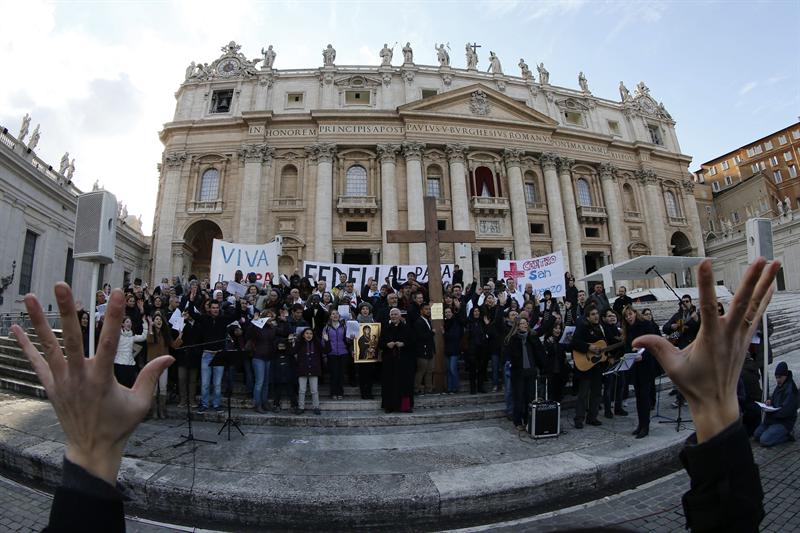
432 237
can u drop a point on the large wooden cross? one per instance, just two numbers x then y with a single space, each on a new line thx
432 236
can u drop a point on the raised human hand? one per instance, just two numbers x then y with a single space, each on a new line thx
707 370
96 413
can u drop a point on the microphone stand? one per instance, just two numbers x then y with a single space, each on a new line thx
679 422
190 436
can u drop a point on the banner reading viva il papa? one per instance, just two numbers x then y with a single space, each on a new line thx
543 273
228 257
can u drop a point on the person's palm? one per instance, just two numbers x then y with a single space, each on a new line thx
707 371
96 413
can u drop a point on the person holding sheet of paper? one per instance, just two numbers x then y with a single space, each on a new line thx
781 410
643 372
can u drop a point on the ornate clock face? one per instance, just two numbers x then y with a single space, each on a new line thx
229 67
648 106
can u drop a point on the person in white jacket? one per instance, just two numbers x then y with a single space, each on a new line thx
124 363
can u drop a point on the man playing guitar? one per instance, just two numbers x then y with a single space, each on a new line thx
681 331
587 332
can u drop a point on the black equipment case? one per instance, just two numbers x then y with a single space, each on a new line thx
544 418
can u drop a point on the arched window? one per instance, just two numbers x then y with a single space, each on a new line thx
629 197
434 181
584 194
531 190
673 210
209 186
288 186
356 181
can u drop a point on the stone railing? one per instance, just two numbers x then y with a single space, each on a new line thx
677 221
442 202
536 206
287 203
214 206
592 213
632 214
7 139
357 204
489 204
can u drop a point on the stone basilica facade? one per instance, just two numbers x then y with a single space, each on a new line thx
332 157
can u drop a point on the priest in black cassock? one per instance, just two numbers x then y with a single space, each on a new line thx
397 384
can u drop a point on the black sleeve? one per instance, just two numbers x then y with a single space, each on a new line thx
725 492
580 342
84 502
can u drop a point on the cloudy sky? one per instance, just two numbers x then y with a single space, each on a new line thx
100 77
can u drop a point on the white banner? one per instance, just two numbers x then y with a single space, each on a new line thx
361 273
542 273
228 257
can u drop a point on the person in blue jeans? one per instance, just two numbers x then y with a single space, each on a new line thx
208 372
213 328
778 426
453 331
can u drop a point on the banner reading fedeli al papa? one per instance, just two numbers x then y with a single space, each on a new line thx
543 273
228 257
359 274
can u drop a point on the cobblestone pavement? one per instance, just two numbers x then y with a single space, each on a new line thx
656 506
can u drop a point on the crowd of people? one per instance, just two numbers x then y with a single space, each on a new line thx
293 334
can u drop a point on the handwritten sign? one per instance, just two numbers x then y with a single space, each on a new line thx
542 273
228 257
359 274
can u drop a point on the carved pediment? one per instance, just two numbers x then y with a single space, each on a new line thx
477 101
358 82
574 104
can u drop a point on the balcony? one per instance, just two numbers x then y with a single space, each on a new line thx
357 205
592 213
677 221
287 203
536 207
489 205
442 202
214 206
632 215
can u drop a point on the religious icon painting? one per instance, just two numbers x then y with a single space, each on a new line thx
366 345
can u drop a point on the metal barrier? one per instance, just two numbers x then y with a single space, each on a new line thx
24 321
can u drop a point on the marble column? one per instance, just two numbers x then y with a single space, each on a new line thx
476 267
507 253
519 209
162 264
414 194
616 229
693 217
459 201
654 207
389 217
323 206
555 207
337 255
576 264
376 256
252 155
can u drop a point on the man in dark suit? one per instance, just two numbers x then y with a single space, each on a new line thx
425 349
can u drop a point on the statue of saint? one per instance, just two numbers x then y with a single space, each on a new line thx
788 204
584 84
34 138
442 55
544 75
96 185
472 58
23 131
780 208
328 56
64 163
494 64
641 89
386 54
190 70
525 70
269 57
624 93
71 169
664 110
408 54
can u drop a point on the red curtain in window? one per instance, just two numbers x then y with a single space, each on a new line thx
484 178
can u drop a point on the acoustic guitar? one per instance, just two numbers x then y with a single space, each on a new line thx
584 361
676 335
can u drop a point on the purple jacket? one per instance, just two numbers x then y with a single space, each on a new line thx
337 339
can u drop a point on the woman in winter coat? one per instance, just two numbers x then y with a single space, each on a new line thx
477 346
159 341
643 372
262 343
336 332
555 367
309 351
526 353
453 332
125 369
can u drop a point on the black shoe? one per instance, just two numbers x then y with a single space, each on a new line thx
643 433
578 424
594 422
620 412
608 414
636 431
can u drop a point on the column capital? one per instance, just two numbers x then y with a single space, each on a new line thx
688 186
506 253
607 170
475 251
565 163
456 152
388 152
413 150
323 152
512 156
252 152
549 160
175 159
646 177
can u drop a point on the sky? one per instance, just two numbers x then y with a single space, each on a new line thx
100 77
